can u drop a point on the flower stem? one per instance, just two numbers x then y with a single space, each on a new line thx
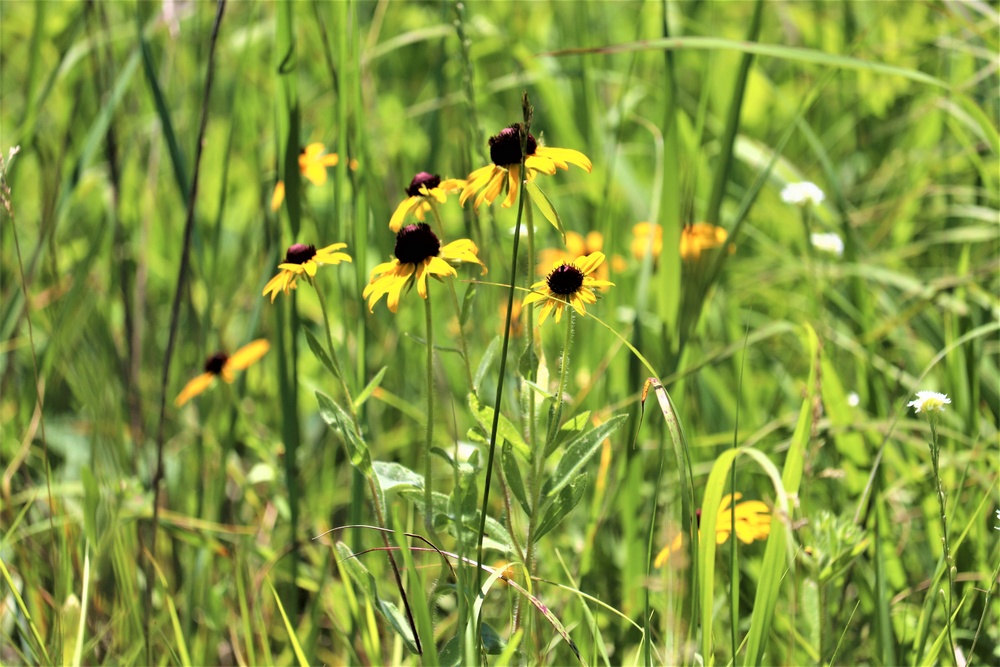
948 562
333 355
539 454
503 367
462 345
429 439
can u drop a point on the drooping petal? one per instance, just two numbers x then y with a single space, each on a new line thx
476 181
452 185
248 354
492 189
438 267
194 387
404 209
540 163
330 160
513 185
565 155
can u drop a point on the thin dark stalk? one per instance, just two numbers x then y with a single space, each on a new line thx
172 336
503 361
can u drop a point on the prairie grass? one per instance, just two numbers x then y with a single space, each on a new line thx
330 504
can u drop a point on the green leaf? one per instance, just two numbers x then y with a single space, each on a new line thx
545 206
496 535
579 452
341 422
391 474
318 351
493 643
513 476
505 429
527 365
557 508
366 582
370 388
484 364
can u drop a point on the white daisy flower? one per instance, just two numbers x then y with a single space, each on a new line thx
831 243
802 194
929 401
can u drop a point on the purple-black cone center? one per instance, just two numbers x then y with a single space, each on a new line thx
505 148
216 362
415 243
565 280
300 253
422 180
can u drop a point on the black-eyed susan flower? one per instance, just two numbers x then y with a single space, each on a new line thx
753 522
301 258
419 254
505 172
568 284
222 365
424 190
313 162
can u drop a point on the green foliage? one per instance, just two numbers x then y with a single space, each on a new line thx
292 531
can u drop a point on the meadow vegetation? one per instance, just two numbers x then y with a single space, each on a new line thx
507 333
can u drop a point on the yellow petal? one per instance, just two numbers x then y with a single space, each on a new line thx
513 185
193 388
330 160
590 262
565 155
399 215
248 354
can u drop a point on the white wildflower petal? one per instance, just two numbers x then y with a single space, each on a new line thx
802 194
853 399
831 243
929 401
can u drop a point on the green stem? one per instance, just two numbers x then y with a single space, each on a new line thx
429 437
333 355
372 488
462 345
948 563
553 429
503 365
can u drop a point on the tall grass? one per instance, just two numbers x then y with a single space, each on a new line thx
265 526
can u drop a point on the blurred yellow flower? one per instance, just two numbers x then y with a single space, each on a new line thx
301 258
645 234
698 237
505 172
419 254
313 162
568 284
424 189
753 522
222 364
695 238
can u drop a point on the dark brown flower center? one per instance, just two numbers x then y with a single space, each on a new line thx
505 148
565 279
299 253
215 363
422 180
415 243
